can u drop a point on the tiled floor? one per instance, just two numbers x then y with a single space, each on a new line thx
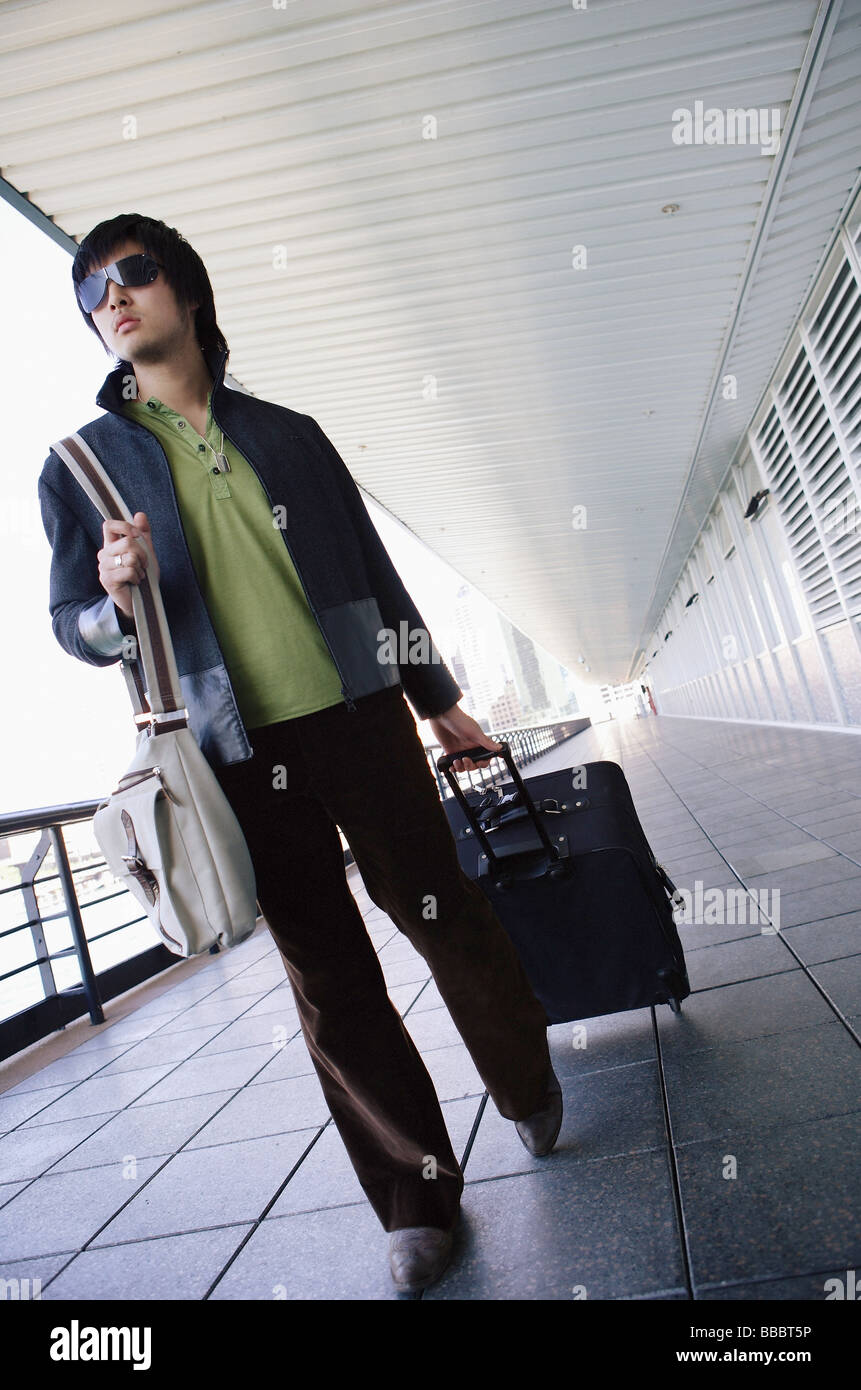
185 1152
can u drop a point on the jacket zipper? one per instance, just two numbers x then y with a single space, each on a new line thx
344 691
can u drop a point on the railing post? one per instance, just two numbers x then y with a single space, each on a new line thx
88 977
34 915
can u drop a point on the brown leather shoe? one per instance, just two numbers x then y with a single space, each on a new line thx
540 1130
418 1255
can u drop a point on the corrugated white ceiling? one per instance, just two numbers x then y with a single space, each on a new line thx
417 295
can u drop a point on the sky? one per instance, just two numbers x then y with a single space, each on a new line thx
68 727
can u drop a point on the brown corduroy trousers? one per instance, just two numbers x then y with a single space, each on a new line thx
366 771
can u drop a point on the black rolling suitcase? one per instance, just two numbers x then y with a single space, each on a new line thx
565 864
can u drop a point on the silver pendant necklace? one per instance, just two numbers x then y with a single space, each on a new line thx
222 463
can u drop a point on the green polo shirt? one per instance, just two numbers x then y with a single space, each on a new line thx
277 660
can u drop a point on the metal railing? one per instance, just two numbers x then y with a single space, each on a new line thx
61 1006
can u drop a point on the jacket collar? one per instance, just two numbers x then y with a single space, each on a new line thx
111 396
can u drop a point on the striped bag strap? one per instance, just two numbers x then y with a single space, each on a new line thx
155 648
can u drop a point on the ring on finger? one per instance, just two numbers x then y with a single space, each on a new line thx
119 561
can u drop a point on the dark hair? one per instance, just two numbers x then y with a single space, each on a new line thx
183 270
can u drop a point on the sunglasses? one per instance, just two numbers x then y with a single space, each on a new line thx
133 271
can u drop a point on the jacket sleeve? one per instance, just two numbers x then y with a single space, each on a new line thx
86 621
429 684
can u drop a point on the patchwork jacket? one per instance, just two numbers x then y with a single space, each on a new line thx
352 587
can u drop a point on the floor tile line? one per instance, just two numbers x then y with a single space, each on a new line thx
762 1037
716 776
268 1207
778 931
312 1211
675 1177
173 1235
161 1167
479 1116
839 1016
652 1294
464 1158
614 1066
238 974
200 1148
109 1116
783 1126
188 1058
167 1159
572 1161
745 979
713 1286
412 1002
92 1076
118 1244
690 950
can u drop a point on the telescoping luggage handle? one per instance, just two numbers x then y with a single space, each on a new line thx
478 754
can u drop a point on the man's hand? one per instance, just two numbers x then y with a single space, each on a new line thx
121 539
456 729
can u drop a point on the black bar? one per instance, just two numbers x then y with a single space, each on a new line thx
88 977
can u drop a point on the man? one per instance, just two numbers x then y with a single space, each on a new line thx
277 591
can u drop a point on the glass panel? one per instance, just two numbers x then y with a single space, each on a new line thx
846 660
58 935
21 992
795 598
771 674
811 663
66 972
757 693
122 945
777 623
16 950
798 705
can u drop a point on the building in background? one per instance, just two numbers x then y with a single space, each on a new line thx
506 679
506 711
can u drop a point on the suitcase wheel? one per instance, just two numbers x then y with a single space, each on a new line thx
675 1005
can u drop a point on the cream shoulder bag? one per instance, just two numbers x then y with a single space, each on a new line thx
168 832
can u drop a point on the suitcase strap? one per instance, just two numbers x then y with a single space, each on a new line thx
495 814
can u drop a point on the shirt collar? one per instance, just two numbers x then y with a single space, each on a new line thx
111 395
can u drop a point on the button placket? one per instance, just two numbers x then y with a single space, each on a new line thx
217 481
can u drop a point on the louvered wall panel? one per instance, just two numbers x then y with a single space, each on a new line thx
835 346
816 400
778 461
805 446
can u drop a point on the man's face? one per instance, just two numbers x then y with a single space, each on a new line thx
144 323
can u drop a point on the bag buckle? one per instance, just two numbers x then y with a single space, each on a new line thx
144 875
169 718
